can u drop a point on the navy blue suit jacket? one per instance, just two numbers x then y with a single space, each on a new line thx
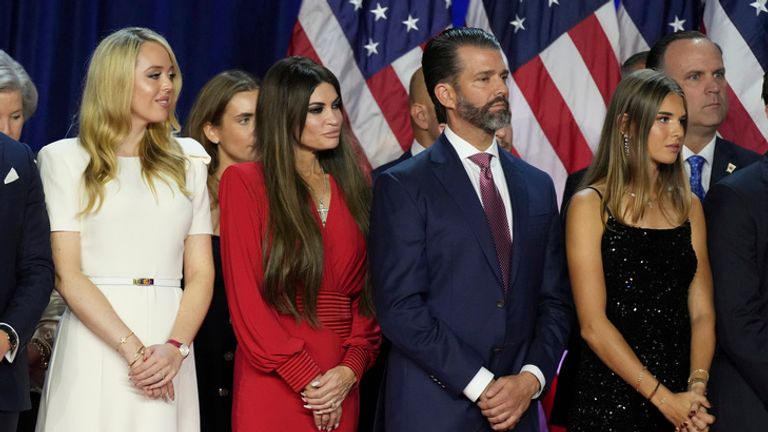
26 269
728 153
737 228
439 294
380 170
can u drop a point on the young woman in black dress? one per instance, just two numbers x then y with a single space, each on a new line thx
640 274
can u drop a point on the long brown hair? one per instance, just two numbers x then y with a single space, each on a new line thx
293 251
209 107
632 112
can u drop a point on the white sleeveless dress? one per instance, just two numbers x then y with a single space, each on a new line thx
135 234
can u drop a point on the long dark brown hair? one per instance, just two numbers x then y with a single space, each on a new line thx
293 250
209 107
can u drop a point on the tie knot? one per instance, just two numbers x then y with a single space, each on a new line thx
483 160
696 162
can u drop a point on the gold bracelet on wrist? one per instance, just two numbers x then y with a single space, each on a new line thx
137 356
692 381
699 375
123 340
639 379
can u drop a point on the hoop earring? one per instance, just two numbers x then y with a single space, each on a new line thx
626 144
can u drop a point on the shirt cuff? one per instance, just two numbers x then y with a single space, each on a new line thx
11 354
477 385
539 376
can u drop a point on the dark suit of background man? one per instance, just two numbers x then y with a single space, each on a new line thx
26 272
467 262
737 221
696 64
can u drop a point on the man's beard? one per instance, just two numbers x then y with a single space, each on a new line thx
483 117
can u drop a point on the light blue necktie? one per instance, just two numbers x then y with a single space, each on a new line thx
697 162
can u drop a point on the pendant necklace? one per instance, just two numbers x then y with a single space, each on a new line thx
322 209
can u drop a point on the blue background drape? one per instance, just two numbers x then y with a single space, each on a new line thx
53 40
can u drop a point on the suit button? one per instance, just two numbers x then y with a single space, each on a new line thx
500 304
496 350
228 356
223 392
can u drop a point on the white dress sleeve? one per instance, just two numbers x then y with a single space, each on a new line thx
61 169
197 185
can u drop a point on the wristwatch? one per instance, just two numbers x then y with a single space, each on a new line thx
12 340
183 348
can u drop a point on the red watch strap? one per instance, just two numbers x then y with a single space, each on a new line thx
174 342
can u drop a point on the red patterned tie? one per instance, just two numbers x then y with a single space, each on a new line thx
494 213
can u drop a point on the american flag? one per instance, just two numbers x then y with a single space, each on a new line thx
564 56
564 61
741 29
373 47
643 22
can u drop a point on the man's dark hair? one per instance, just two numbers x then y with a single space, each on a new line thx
441 61
655 58
765 88
630 65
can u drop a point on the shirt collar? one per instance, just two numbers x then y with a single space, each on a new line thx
708 152
416 148
464 149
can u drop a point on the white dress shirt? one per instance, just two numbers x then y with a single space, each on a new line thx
483 377
708 153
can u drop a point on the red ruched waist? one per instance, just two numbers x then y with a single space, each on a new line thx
334 311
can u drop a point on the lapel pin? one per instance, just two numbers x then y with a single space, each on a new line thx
731 167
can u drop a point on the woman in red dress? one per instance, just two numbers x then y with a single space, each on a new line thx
293 230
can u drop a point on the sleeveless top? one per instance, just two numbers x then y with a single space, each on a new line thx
647 275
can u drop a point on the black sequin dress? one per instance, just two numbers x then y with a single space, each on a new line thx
647 275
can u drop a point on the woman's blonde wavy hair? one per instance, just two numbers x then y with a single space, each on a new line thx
105 117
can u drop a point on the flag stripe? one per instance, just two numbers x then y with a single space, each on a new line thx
329 41
528 138
631 39
576 97
589 38
406 65
392 97
745 123
739 127
553 115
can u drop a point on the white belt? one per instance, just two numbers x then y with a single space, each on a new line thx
174 283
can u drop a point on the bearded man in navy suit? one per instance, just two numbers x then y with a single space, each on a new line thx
467 259
26 272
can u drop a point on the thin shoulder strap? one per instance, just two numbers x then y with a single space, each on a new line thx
595 189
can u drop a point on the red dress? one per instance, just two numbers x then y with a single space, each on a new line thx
276 356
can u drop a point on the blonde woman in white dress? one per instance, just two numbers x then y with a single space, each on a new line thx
129 214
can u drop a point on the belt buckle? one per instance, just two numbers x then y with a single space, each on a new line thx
143 281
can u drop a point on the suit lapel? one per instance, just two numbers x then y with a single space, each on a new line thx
720 162
450 172
519 199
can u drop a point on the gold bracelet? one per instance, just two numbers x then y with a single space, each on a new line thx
696 376
639 379
137 356
123 341
653 393
692 381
